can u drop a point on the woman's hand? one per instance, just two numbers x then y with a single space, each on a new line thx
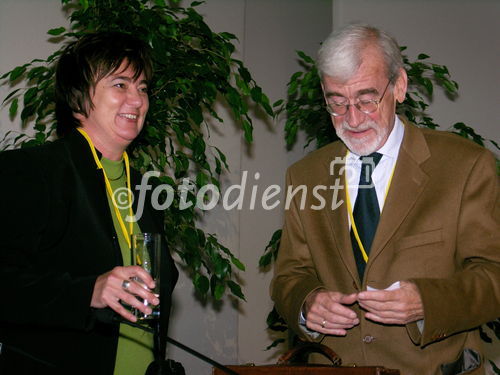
112 287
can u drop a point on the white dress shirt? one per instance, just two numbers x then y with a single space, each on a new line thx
381 175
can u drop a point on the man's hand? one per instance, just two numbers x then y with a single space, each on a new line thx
400 306
109 291
325 312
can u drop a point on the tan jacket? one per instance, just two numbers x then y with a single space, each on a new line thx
440 228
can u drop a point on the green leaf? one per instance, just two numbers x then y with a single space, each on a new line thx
235 289
292 88
264 102
191 239
305 57
40 138
39 127
423 56
237 263
27 112
146 158
56 31
198 148
440 69
234 100
248 130
296 76
84 4
256 94
201 283
427 83
201 179
275 343
17 72
13 108
265 260
36 72
222 157
218 166
196 3
30 95
494 367
245 74
220 288
495 327
228 36
277 103
222 267
11 94
450 87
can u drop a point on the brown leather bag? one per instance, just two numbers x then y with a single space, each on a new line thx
286 365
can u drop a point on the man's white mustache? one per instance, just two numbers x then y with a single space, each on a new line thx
370 125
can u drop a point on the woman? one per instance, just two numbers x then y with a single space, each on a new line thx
65 271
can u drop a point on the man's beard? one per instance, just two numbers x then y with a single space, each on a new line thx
367 144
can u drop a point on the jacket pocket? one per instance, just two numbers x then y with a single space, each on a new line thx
420 239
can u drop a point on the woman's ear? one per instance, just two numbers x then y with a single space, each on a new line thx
79 116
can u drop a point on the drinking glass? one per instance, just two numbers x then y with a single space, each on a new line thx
146 253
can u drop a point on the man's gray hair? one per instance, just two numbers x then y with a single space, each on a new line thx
340 54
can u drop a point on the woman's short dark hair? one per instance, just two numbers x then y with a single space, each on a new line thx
85 62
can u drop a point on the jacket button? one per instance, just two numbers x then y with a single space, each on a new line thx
368 339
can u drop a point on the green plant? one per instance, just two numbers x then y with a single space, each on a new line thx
304 110
194 69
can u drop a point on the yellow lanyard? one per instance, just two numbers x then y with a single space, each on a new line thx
109 190
350 210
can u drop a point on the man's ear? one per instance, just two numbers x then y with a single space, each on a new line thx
323 91
400 86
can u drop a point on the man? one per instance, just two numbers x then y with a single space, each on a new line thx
65 264
417 220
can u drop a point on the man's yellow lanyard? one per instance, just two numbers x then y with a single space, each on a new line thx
350 210
109 190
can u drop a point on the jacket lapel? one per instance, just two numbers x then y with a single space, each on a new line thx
91 188
92 178
408 183
339 222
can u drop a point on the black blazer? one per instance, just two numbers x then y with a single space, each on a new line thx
56 238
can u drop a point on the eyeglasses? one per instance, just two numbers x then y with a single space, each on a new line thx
365 106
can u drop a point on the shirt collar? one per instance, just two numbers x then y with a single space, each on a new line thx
393 143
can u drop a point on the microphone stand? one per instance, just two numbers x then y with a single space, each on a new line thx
185 348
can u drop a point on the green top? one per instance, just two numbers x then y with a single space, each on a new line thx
134 352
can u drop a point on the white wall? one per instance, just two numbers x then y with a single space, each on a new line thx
23 37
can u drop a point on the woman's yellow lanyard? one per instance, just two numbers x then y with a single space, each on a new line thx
126 233
350 210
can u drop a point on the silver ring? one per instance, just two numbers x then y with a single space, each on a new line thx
125 284
323 323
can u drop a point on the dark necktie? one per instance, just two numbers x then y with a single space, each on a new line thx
366 210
